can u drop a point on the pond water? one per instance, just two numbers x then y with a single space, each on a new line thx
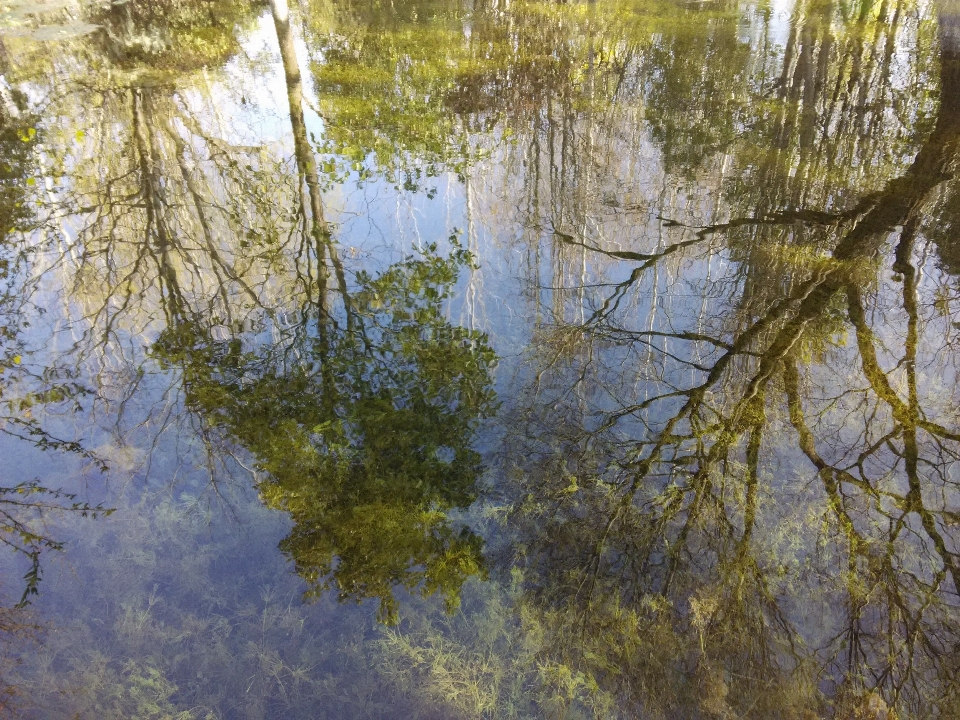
480 359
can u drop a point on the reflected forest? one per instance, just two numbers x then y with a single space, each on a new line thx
480 359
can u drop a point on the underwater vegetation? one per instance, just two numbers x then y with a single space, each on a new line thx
187 624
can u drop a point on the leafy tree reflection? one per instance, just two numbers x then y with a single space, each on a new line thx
358 404
363 433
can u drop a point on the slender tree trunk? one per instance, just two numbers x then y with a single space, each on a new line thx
306 162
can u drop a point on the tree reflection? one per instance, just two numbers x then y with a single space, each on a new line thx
363 433
357 403
732 474
27 389
676 544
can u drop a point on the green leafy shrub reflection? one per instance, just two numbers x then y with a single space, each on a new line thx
365 440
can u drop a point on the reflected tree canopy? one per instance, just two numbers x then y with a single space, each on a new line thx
362 430
355 397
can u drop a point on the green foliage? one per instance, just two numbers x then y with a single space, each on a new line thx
32 498
489 660
178 612
18 143
170 35
171 621
366 441
397 122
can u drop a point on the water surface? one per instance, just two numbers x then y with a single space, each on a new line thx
480 359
